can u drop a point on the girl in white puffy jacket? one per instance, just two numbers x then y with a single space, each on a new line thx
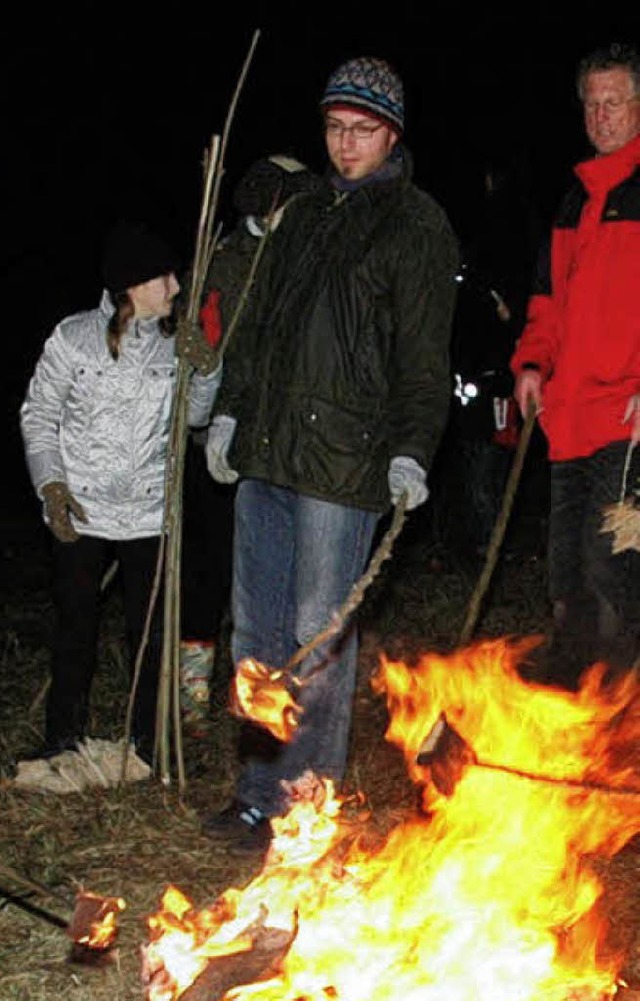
95 424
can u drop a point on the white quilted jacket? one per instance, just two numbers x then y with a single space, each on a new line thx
102 426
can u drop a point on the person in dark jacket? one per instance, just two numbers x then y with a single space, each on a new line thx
331 410
579 361
260 198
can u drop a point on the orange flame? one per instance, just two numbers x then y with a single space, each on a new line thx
262 694
95 921
183 941
489 897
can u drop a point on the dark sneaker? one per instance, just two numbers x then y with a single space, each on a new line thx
246 828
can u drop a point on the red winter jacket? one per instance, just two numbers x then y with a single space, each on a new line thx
583 327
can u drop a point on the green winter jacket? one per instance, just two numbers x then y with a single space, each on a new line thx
341 361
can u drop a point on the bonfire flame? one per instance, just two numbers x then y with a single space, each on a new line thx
264 695
489 897
184 940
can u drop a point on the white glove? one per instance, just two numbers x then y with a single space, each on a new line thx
405 474
219 438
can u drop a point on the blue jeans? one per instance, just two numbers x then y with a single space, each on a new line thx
295 561
595 594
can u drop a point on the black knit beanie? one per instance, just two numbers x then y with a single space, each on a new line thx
269 183
134 255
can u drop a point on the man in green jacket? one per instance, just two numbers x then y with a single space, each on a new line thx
331 411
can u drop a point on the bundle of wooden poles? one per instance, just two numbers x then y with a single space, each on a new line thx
168 717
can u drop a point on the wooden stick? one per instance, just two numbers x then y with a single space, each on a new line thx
34 885
357 593
223 149
499 529
169 683
208 245
625 471
246 288
144 639
34 909
210 165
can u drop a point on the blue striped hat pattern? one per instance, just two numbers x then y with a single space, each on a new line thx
370 84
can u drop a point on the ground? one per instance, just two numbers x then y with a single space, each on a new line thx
135 840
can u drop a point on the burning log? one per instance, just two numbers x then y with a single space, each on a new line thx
269 949
255 955
493 894
447 755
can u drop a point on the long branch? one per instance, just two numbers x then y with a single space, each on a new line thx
169 686
201 277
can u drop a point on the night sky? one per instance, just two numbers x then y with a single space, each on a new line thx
106 118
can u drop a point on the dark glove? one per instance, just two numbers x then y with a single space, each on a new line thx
59 505
192 348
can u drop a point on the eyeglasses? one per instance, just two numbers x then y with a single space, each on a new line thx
360 131
610 107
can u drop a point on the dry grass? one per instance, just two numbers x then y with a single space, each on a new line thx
132 842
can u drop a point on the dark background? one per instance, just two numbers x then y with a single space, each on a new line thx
106 118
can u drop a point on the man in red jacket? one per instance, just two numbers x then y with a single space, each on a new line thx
579 361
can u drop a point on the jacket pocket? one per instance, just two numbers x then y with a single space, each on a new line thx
338 451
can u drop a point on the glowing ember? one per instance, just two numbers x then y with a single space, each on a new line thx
263 695
94 922
489 897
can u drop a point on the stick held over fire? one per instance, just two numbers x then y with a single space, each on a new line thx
448 756
265 695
